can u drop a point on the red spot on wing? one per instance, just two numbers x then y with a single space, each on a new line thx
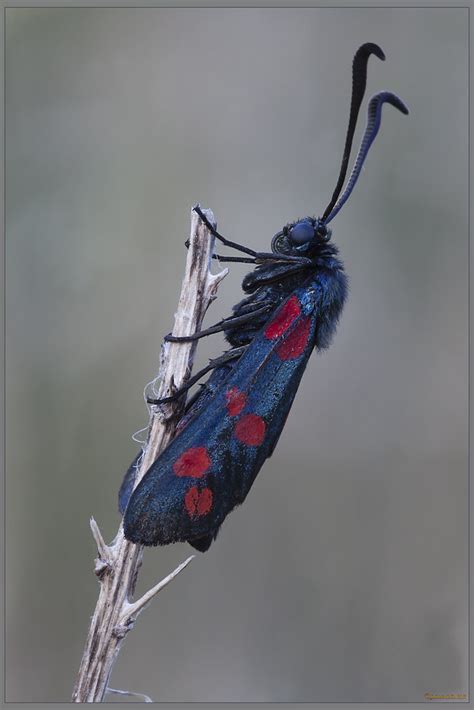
293 346
192 462
198 502
283 319
250 430
235 401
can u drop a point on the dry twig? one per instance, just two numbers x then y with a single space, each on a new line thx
117 564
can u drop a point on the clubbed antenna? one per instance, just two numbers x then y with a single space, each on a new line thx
374 118
359 81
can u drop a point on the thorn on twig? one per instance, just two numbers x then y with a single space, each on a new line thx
131 611
105 552
214 280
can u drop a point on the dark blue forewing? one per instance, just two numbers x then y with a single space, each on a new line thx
128 482
211 464
194 406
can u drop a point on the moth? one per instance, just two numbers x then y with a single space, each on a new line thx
294 298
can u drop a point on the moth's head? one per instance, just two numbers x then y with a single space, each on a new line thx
301 238
307 237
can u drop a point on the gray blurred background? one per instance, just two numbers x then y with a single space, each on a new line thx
344 575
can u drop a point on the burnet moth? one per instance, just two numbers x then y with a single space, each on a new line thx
294 300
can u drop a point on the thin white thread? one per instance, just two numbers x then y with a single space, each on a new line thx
138 438
145 698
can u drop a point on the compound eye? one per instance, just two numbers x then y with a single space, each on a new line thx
302 232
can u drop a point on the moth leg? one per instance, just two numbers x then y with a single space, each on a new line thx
258 257
226 357
210 386
215 233
262 257
221 326
228 259
234 259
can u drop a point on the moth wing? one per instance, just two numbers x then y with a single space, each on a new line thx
194 406
126 488
210 466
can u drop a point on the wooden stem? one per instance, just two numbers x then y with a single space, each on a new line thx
117 565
